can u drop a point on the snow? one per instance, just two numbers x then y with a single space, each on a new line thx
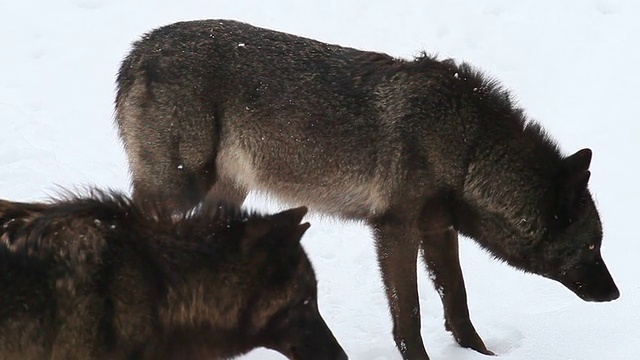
571 64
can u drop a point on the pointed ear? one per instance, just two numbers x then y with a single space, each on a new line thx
577 162
289 217
289 223
279 229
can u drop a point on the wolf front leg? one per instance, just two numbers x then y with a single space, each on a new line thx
397 251
440 253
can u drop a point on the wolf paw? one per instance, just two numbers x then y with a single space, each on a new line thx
467 337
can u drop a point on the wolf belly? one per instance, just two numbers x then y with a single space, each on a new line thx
320 182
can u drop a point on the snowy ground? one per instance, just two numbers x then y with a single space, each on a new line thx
572 65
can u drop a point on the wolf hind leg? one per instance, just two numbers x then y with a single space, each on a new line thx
440 254
171 139
397 251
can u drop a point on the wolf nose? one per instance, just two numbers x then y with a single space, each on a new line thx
607 296
614 294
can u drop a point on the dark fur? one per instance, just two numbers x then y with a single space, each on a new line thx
421 150
98 277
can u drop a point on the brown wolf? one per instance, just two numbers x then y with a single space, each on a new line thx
100 278
421 150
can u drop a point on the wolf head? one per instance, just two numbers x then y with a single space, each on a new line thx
574 236
283 313
551 229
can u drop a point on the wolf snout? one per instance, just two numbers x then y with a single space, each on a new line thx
595 284
603 296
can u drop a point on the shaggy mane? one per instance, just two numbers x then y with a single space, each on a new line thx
28 224
489 92
102 201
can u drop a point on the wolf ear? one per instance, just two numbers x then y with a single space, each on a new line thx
575 179
289 223
577 162
576 171
275 228
290 217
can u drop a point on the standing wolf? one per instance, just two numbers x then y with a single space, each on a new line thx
421 150
100 278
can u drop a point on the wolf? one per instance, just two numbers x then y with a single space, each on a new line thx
421 150
98 277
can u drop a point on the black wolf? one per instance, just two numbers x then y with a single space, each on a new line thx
421 150
99 278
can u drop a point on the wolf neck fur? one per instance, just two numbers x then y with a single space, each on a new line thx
497 184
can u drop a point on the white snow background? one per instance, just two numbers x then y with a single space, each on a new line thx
573 65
